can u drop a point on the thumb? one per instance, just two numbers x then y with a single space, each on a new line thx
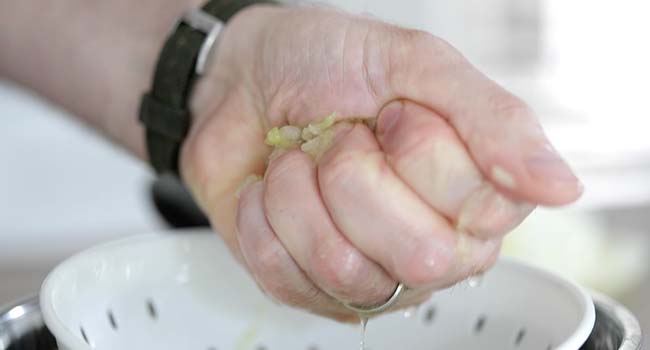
501 132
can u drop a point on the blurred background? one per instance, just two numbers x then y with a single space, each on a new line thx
583 65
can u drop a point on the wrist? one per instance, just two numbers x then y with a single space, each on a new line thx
143 39
230 72
232 63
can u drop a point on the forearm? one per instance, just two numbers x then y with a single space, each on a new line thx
95 58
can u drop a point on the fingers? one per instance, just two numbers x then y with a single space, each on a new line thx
276 271
271 265
379 214
428 155
489 214
500 131
301 221
390 224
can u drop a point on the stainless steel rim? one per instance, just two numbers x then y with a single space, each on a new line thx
28 305
632 335
22 327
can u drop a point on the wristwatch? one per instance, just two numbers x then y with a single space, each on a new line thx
164 110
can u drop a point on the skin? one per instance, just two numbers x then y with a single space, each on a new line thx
455 161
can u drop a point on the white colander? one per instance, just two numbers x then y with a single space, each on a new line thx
183 291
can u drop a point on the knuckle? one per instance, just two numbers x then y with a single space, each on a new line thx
425 265
417 36
434 56
271 258
435 42
434 46
509 107
339 268
290 295
281 281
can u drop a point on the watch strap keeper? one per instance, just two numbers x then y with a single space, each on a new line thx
164 110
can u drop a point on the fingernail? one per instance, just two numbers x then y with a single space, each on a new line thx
389 116
503 177
469 250
464 248
473 208
547 165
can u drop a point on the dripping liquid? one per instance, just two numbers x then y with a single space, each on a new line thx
364 322
473 282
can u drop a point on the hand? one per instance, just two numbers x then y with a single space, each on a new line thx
454 164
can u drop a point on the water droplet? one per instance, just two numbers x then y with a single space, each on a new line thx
410 312
475 281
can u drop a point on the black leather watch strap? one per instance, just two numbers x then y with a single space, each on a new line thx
164 110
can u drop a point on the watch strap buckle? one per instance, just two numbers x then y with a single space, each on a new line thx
207 24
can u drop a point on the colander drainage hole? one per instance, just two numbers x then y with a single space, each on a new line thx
520 336
83 335
312 347
430 315
111 319
151 307
480 324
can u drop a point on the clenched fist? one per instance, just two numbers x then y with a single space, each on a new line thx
444 164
